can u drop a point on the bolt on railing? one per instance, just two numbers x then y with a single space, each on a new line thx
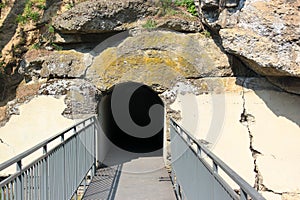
195 178
58 172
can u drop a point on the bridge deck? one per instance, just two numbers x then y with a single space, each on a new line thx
143 178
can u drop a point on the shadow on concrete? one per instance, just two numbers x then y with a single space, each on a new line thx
281 103
104 184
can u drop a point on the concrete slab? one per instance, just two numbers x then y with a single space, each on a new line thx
148 185
275 127
276 134
139 179
215 118
38 120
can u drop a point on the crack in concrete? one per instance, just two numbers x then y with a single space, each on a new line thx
2 142
246 119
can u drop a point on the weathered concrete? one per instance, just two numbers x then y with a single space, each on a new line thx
277 121
38 120
254 129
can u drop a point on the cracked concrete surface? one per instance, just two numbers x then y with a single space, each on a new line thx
259 136
276 135
247 119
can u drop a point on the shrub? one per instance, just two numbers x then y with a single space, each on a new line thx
189 5
51 29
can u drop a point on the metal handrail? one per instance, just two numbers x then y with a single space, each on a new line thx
34 178
26 153
245 189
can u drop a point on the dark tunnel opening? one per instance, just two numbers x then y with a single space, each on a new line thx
141 129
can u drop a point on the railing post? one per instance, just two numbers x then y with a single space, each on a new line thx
243 195
215 167
62 139
19 183
95 147
76 160
45 171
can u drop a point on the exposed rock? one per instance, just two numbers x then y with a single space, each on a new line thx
81 96
290 84
41 63
153 58
263 34
180 24
8 86
3 115
103 16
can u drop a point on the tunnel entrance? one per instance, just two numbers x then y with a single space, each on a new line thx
132 117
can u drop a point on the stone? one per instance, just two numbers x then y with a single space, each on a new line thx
81 97
153 58
263 34
180 24
290 84
103 16
42 63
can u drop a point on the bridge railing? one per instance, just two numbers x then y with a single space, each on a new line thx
59 171
196 171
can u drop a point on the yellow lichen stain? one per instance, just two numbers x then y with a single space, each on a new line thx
150 65
150 61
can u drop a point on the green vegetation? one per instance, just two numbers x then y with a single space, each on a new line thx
56 47
31 11
2 5
169 7
70 5
189 5
51 29
150 24
206 33
35 46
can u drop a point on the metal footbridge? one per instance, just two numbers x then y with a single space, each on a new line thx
67 166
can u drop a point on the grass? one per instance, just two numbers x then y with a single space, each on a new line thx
150 24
